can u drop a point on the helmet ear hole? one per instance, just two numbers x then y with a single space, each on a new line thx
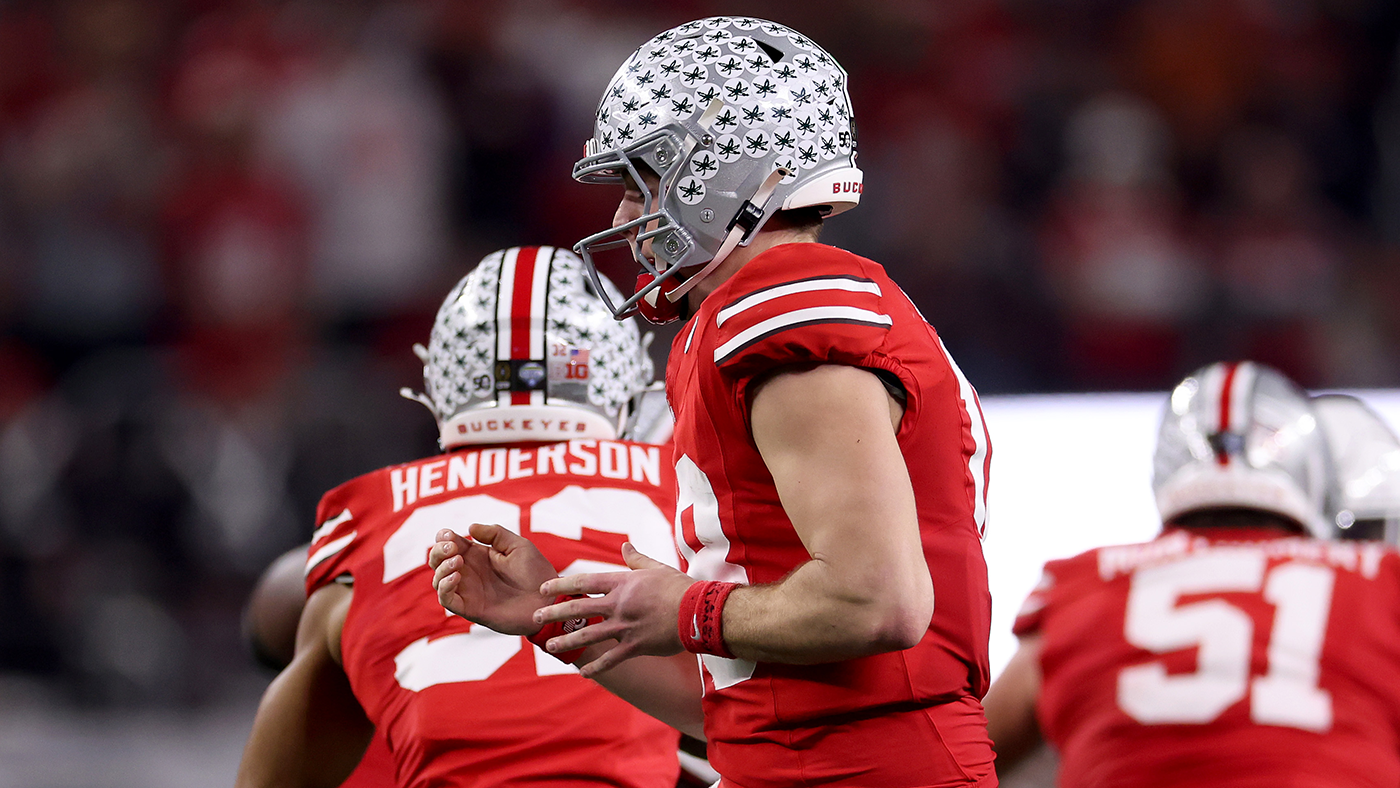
773 53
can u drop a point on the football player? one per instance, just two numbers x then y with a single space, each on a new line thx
831 458
1244 646
528 377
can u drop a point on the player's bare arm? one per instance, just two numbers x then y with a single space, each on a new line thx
310 731
845 487
1010 706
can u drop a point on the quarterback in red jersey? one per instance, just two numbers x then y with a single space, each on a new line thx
529 378
1246 645
831 460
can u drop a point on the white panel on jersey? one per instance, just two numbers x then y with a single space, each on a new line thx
727 672
546 664
977 463
1222 633
328 550
627 512
471 656
710 562
584 566
694 492
329 526
408 548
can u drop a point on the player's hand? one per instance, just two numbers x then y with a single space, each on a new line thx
494 580
639 610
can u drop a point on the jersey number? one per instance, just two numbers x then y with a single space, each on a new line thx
1287 694
476 655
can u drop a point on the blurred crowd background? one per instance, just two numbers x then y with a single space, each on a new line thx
224 222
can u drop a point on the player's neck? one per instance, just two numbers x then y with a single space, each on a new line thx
737 259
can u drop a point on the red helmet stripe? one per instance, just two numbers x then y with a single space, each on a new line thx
522 290
1226 395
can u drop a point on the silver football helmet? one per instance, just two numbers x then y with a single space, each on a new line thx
1241 435
523 349
1366 455
739 118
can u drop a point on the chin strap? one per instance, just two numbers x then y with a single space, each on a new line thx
744 222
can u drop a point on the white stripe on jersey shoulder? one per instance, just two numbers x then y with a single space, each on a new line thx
330 525
690 336
331 548
851 284
800 317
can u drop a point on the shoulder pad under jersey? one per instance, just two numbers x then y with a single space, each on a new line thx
801 304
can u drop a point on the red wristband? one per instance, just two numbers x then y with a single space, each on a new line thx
700 624
556 628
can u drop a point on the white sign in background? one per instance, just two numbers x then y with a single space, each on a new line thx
1071 472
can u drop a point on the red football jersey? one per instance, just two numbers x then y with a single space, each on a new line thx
1228 657
376 767
908 718
461 705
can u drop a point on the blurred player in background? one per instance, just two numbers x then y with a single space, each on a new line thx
831 459
270 629
530 380
1366 454
1246 645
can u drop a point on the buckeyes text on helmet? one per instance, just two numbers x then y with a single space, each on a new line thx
739 118
524 349
1240 435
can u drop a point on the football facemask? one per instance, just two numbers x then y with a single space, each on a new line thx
738 118
524 349
1242 436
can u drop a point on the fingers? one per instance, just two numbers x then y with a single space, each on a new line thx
601 632
607 660
446 580
498 538
635 559
587 607
582 584
445 568
448 544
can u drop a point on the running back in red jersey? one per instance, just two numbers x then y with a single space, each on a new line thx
460 705
1226 657
902 718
